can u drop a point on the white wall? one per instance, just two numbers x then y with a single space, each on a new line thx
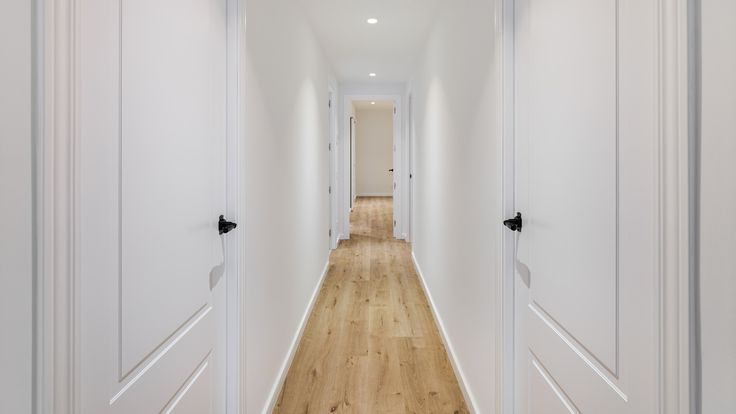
718 207
374 151
457 192
284 183
16 207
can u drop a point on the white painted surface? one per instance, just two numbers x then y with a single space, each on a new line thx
284 178
718 204
152 185
374 151
355 48
16 278
586 142
353 158
457 198
273 396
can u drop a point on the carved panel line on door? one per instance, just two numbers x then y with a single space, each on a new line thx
553 385
583 355
167 346
171 405
613 367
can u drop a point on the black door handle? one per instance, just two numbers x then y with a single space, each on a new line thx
226 226
515 223
391 170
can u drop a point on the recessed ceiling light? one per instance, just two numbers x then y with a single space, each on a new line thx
372 20
373 103
372 75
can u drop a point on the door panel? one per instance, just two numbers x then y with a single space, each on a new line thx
172 119
153 187
574 145
586 186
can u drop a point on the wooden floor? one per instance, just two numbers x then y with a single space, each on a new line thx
371 344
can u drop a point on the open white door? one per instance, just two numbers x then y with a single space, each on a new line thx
152 105
396 172
587 258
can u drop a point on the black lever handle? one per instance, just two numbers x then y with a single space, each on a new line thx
391 170
226 226
515 223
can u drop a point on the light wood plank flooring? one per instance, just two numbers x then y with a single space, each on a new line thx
371 344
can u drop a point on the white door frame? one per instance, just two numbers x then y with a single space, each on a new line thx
399 160
674 278
332 140
409 156
57 385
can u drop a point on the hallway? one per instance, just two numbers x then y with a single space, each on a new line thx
371 344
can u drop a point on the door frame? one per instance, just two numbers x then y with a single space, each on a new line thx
674 175
332 155
398 160
57 195
409 172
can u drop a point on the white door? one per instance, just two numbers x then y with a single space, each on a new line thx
586 187
152 163
410 165
396 176
332 154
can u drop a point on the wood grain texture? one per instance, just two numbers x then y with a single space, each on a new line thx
371 344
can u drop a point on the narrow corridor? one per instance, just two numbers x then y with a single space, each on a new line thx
371 344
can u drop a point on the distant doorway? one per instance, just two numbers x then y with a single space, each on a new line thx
372 136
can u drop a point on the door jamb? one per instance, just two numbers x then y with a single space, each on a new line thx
235 293
507 166
332 129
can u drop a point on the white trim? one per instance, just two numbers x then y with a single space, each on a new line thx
469 399
507 165
57 292
674 203
234 312
281 379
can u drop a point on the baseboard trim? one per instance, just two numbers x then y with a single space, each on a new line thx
276 389
469 399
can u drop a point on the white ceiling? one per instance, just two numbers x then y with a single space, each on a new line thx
355 48
378 105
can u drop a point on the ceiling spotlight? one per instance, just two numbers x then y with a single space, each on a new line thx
372 20
373 103
372 75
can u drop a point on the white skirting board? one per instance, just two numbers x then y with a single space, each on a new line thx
445 340
276 390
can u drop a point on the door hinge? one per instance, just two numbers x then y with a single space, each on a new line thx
329 146
394 186
394 110
329 103
330 233
329 189
394 223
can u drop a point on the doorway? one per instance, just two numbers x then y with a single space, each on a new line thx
373 152
379 174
